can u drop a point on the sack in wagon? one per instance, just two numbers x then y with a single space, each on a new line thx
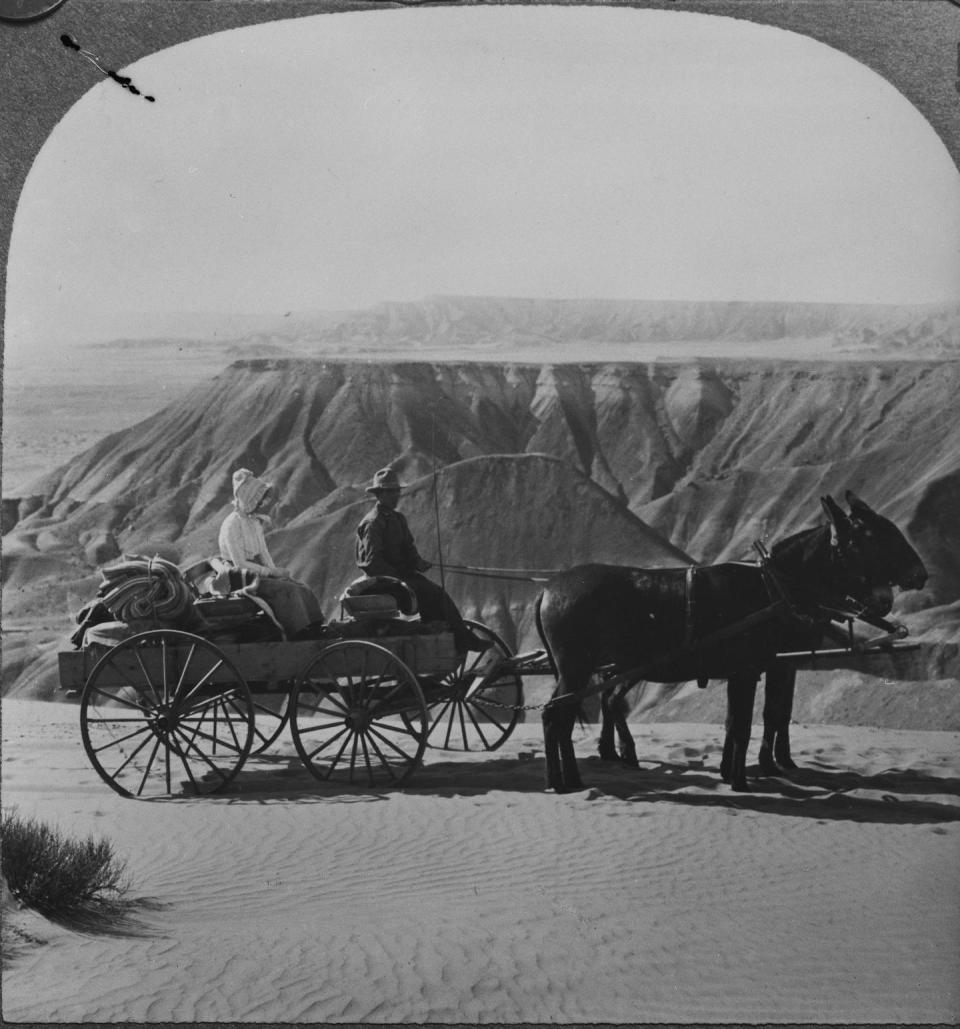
136 593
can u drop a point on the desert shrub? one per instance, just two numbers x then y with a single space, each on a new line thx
58 875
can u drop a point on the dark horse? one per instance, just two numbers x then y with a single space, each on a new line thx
720 621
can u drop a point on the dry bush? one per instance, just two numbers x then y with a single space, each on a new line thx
59 876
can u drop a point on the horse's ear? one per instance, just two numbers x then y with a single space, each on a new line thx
839 522
858 508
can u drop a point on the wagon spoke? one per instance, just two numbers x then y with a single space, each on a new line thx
146 771
353 754
101 692
133 753
386 676
330 741
347 736
385 699
179 753
200 710
212 737
307 730
265 739
341 713
168 779
146 675
365 688
389 742
476 725
366 758
275 718
163 668
231 727
463 726
346 688
191 746
318 696
383 760
119 720
183 673
471 668
118 742
446 742
437 720
487 714
202 682
195 727
214 768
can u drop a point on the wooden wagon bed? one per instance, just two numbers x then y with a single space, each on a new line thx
166 712
266 667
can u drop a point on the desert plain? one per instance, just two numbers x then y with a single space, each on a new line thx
655 895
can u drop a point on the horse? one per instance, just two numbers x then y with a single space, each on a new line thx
722 621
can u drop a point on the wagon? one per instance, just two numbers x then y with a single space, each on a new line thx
168 712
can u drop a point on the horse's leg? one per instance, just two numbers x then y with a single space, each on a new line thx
568 760
777 711
608 752
628 750
551 749
741 691
558 717
614 707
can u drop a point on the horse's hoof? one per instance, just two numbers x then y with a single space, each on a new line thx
608 755
767 765
630 762
787 763
741 787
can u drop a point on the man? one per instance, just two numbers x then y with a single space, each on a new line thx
385 546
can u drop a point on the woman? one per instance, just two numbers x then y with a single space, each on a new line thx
244 545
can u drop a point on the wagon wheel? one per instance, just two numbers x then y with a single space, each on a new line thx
358 716
164 712
272 712
471 716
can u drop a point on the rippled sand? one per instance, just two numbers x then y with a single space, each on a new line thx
473 896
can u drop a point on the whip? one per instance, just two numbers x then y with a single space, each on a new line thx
436 498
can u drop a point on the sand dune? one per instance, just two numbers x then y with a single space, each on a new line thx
472 896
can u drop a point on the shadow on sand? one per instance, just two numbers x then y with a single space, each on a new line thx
820 793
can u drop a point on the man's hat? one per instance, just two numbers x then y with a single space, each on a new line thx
385 479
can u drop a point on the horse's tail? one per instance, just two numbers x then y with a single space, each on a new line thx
543 636
538 619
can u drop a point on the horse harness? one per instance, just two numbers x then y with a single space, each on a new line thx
782 607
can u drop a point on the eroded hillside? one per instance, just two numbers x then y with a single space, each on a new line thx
535 466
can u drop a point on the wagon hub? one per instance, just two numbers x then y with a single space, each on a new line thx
164 719
359 718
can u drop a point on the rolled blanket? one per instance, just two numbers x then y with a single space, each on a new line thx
145 587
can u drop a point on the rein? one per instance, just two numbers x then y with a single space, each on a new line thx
514 574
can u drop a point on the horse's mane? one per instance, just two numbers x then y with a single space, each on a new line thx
805 543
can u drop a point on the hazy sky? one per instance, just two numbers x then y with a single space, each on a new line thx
339 160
